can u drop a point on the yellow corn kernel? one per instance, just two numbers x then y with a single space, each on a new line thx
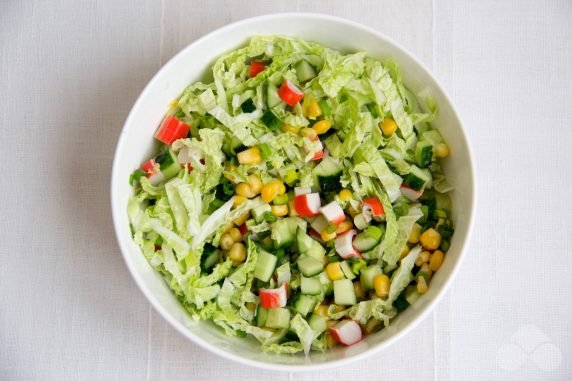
243 189
441 150
269 191
331 323
421 285
422 258
281 187
249 156
174 104
235 234
328 236
436 260
309 133
381 285
250 306
338 309
425 269
242 219
239 200
415 233
404 252
430 239
280 210
292 209
255 183
292 129
334 271
226 241
345 195
322 126
330 342
237 252
313 110
388 126
344 226
228 226
321 310
227 173
358 288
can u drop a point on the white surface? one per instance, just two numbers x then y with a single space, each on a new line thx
136 144
69 73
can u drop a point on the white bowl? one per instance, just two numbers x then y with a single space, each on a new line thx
136 145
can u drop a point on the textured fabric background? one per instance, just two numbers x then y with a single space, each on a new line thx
69 73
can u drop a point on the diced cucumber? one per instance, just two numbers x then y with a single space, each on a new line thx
347 270
329 173
344 292
367 239
271 120
327 284
416 178
411 294
278 318
168 164
261 316
283 231
258 212
210 257
304 304
310 266
367 276
311 286
272 97
265 265
400 303
248 105
423 153
304 70
309 246
318 323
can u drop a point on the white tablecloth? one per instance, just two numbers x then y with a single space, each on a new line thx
69 73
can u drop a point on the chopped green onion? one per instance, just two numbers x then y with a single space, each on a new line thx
269 217
265 150
280 200
291 177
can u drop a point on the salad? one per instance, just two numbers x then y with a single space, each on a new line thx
297 196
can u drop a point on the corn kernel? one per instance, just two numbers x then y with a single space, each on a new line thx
441 150
255 183
226 242
421 285
328 236
344 226
243 189
415 233
250 306
313 110
269 191
334 271
345 195
358 288
322 126
242 219
321 310
338 309
279 210
422 258
239 200
388 126
292 129
425 269
404 252
237 253
436 260
309 133
235 234
281 187
249 156
381 285
353 212
430 239
228 226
